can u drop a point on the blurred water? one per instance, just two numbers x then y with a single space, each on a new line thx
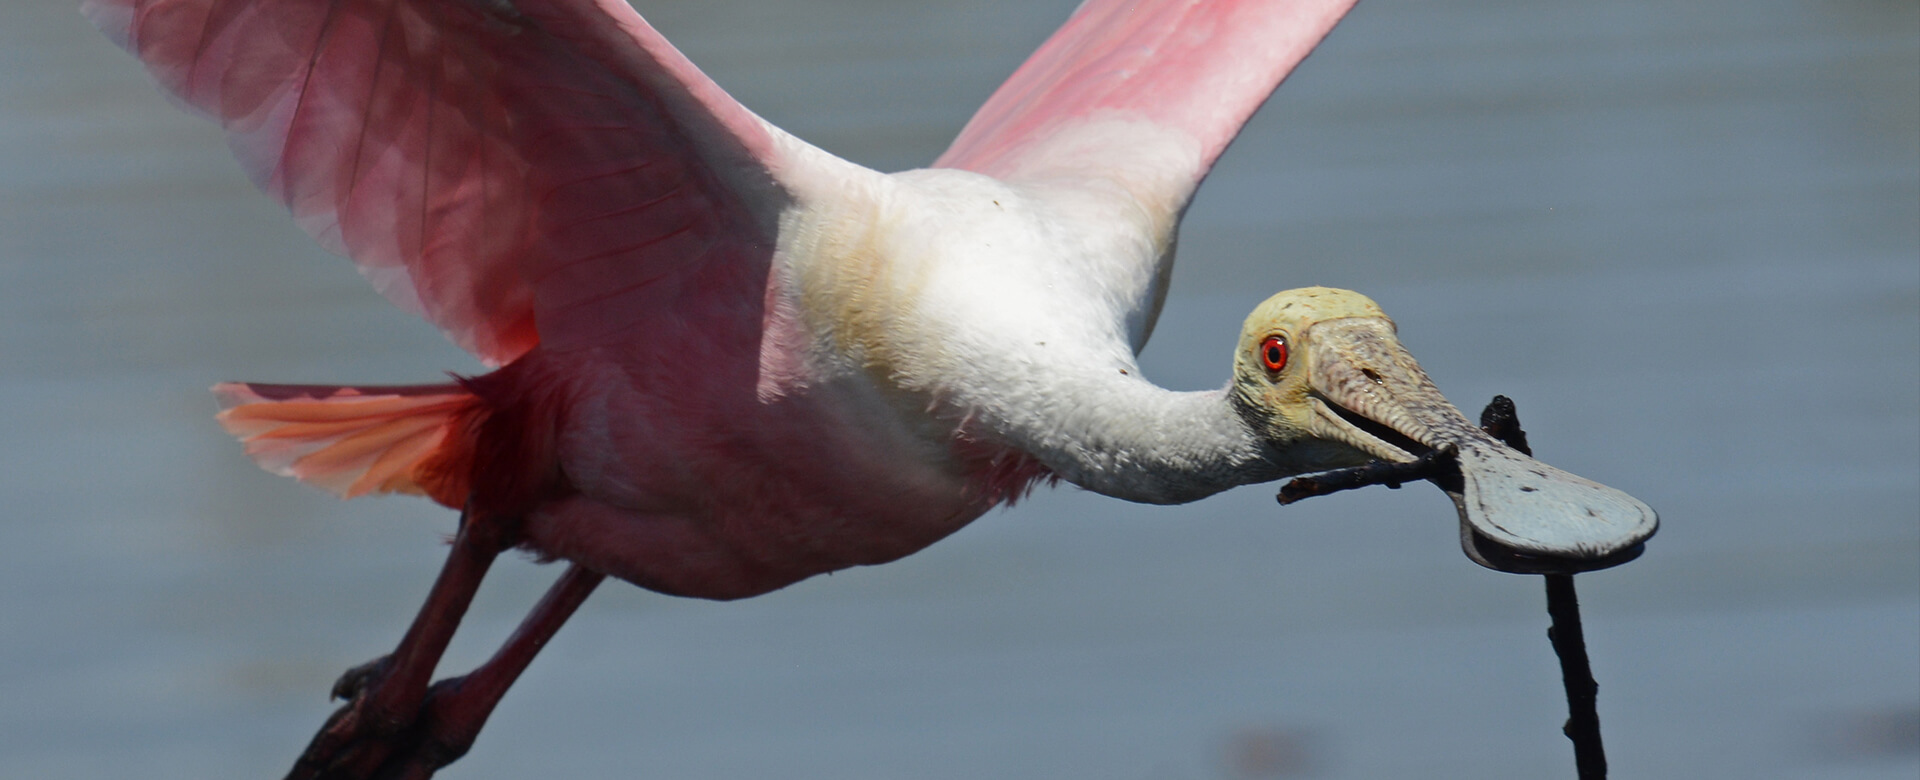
1685 237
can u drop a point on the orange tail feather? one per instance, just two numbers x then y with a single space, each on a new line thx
353 441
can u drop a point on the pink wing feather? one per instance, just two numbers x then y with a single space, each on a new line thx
1199 67
513 170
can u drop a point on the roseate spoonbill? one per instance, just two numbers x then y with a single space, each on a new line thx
726 360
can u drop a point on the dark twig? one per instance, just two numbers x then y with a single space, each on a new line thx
1569 641
1393 475
1500 421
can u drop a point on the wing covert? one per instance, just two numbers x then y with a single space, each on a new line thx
505 168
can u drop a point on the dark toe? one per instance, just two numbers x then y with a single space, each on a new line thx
362 677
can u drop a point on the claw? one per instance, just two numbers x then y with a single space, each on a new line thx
361 678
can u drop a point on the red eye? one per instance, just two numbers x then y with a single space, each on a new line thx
1273 353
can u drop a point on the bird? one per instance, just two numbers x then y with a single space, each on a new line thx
722 360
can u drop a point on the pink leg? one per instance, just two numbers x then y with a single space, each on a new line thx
451 712
458 707
386 694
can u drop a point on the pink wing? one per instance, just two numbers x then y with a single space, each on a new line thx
1198 68
512 171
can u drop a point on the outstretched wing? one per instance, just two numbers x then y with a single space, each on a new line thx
512 170
1141 93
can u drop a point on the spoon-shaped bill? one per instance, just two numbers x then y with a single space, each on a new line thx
1520 515
1516 513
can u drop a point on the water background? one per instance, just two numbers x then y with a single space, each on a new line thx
1685 237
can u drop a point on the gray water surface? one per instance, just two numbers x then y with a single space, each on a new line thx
1684 237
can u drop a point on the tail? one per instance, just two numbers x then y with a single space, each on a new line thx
358 440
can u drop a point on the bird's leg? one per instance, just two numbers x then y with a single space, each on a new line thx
457 707
386 695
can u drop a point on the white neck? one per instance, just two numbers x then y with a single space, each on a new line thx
1018 310
1130 439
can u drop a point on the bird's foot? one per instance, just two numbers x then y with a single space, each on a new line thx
367 739
396 727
